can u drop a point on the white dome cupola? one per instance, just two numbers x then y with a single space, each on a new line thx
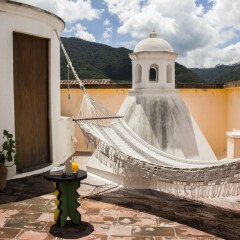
153 43
153 64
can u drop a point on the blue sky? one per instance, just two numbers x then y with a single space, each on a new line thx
203 32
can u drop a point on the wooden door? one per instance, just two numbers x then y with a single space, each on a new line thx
31 100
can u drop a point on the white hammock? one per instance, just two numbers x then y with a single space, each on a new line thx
129 156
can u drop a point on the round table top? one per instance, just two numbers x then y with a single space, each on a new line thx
80 175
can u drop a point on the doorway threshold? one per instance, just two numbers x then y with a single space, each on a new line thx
32 172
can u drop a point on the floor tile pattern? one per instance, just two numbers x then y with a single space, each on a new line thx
27 205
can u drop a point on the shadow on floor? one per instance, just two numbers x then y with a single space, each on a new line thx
72 231
217 221
25 188
32 186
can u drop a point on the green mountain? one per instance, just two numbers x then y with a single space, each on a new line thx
185 75
95 60
219 74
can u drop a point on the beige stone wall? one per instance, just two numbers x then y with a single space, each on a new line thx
209 108
233 109
112 99
216 111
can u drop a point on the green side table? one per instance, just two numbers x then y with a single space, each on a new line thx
67 196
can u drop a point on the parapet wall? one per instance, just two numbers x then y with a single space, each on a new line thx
216 111
111 98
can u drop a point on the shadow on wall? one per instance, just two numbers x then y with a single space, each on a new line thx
163 120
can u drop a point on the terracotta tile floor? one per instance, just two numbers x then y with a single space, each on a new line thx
27 205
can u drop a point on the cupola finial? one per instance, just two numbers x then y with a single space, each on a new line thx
153 34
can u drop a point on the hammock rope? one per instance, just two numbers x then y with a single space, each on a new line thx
129 156
70 63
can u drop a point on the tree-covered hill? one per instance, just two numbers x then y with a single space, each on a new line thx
185 75
95 60
219 74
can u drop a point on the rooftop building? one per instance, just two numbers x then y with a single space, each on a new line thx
35 106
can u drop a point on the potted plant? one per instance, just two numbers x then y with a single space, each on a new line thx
7 154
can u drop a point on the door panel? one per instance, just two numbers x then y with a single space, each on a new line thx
31 100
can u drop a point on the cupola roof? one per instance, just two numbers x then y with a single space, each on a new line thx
153 44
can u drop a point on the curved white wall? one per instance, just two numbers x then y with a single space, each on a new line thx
17 17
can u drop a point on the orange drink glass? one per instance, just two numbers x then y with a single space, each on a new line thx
74 166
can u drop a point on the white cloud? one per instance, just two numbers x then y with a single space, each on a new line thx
194 33
107 34
209 57
176 21
68 10
106 22
108 31
70 30
128 44
224 19
81 32
138 20
224 13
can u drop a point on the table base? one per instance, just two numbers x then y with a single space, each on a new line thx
66 202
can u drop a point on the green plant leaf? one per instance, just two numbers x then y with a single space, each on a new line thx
8 148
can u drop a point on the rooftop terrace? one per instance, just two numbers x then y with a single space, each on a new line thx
112 212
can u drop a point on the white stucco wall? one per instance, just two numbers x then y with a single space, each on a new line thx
32 21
